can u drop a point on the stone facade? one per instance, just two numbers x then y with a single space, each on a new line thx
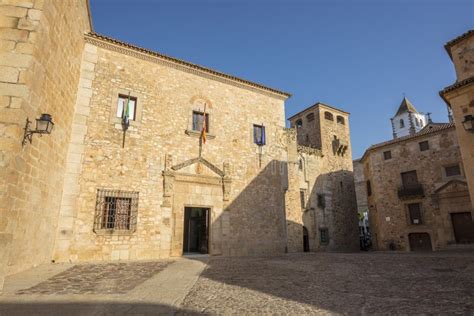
460 99
51 189
41 43
325 176
402 204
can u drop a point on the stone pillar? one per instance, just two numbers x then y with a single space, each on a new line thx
294 213
5 243
166 231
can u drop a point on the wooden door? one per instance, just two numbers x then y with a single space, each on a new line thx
463 227
420 242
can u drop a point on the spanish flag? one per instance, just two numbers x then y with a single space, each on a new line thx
204 127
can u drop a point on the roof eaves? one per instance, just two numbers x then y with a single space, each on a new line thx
104 38
314 105
456 40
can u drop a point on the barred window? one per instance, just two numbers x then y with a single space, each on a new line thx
116 210
328 116
323 236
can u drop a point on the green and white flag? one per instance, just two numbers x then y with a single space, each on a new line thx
126 114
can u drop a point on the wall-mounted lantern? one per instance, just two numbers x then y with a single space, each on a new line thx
468 123
44 125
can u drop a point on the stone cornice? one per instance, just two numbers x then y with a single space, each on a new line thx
148 55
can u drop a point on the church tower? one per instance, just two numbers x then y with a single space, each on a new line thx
407 120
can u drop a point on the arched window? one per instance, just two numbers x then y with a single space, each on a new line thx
402 123
299 123
340 120
310 117
328 116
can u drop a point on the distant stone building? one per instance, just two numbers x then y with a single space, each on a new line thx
417 191
407 120
126 173
460 99
361 195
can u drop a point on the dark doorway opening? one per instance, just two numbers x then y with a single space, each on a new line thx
305 239
196 230
420 242
463 227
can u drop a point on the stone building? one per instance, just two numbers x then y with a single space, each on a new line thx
361 196
101 188
460 99
417 191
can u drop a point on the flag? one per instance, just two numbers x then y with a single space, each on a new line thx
204 127
126 114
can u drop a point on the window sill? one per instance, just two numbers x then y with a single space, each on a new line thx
193 133
113 232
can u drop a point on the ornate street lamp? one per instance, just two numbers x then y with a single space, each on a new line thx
468 123
44 125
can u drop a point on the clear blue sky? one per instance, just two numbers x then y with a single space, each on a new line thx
360 56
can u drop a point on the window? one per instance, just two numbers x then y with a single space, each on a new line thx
387 155
424 145
414 211
369 188
328 116
340 120
116 210
417 122
198 118
409 179
299 123
310 117
259 135
300 164
321 201
132 106
402 123
323 236
452 171
302 199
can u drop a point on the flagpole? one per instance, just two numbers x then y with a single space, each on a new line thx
125 121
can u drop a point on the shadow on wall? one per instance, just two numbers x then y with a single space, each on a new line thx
254 222
331 213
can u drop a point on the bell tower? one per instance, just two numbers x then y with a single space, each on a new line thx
407 120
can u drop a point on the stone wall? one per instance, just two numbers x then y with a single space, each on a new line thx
460 97
41 43
389 216
251 220
360 186
326 175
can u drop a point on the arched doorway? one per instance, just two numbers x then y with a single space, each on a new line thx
420 242
305 239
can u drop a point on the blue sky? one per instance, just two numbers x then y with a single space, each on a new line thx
360 56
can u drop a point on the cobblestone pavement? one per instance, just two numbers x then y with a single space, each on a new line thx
109 278
333 283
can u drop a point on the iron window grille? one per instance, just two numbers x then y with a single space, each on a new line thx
387 155
328 116
116 210
310 117
323 236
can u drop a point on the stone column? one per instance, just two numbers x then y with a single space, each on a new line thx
166 231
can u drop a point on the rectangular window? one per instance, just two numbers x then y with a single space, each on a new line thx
369 188
116 210
259 135
132 106
424 145
409 179
452 171
302 199
321 201
414 211
198 118
323 236
387 155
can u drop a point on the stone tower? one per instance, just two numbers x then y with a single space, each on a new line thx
407 120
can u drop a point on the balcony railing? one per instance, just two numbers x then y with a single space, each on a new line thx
414 190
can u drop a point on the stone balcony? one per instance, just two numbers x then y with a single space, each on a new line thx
411 191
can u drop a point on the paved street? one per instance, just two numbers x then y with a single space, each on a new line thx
296 284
